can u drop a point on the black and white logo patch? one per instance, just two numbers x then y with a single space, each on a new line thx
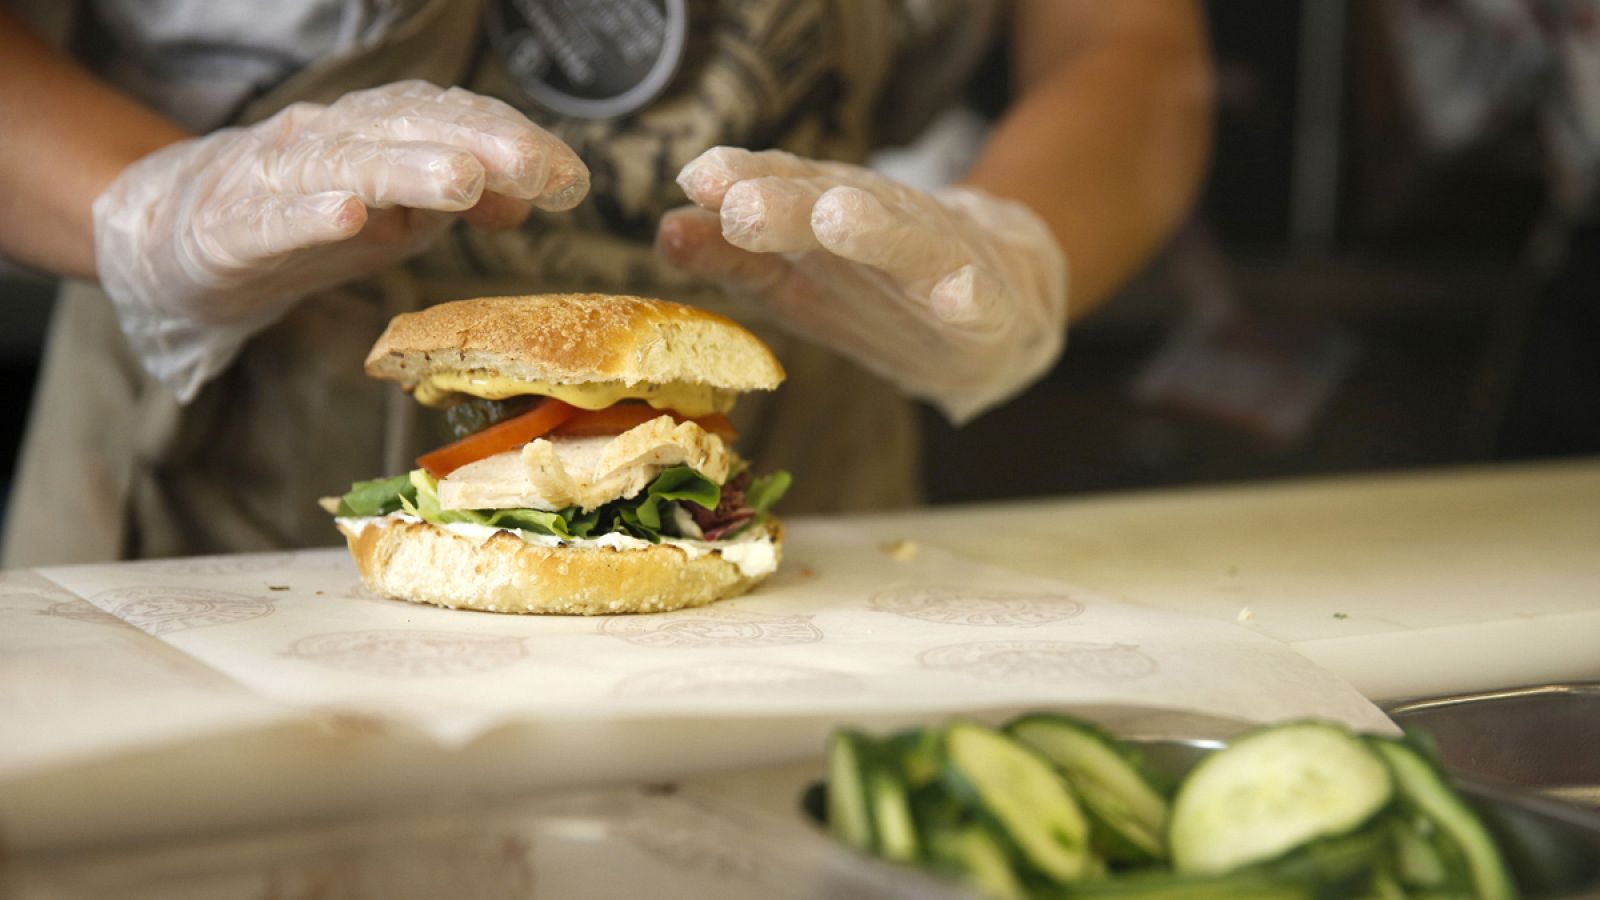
590 60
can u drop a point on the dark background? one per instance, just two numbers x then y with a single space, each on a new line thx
1464 345
1413 270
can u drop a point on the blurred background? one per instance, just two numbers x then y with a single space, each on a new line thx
1382 274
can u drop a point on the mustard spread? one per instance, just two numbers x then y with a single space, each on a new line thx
442 389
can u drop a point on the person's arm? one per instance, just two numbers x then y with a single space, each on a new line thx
200 242
962 296
1109 136
66 137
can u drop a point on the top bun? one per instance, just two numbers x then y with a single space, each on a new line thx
575 339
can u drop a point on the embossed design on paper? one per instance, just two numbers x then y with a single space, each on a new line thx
726 678
234 564
409 654
25 591
712 628
1043 660
165 610
80 610
974 606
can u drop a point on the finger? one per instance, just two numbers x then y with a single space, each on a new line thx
566 182
497 212
912 249
691 239
261 228
707 177
519 158
418 174
771 214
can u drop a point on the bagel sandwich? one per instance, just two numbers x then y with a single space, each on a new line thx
592 472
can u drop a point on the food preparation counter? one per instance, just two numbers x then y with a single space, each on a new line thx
1406 584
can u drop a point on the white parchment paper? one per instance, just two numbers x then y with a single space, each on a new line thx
98 660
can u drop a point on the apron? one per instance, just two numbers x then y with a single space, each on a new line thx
112 467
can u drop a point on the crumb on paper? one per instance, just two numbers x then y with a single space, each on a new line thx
277 587
807 572
902 550
1246 614
1340 615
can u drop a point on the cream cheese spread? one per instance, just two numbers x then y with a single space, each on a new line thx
753 554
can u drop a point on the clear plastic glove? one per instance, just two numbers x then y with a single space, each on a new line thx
958 297
203 243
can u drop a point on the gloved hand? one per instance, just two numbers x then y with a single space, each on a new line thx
958 297
205 242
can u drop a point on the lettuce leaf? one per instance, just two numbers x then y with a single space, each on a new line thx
646 516
765 490
684 483
641 515
377 497
759 495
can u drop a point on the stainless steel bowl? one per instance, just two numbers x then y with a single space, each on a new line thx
1552 847
1546 738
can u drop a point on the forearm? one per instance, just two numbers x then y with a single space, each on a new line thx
66 137
1108 145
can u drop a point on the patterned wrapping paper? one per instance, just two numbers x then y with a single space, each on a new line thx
99 660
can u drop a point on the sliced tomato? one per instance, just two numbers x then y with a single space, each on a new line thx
614 419
507 435
619 417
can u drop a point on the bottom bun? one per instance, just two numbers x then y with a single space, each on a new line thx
410 560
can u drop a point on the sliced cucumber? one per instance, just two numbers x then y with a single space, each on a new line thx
1385 885
1336 866
918 753
894 831
1132 814
977 858
1273 790
1247 885
1418 860
849 809
1424 790
1022 793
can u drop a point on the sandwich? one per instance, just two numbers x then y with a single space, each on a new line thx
592 470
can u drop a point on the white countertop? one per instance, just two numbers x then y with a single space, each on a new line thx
1405 584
